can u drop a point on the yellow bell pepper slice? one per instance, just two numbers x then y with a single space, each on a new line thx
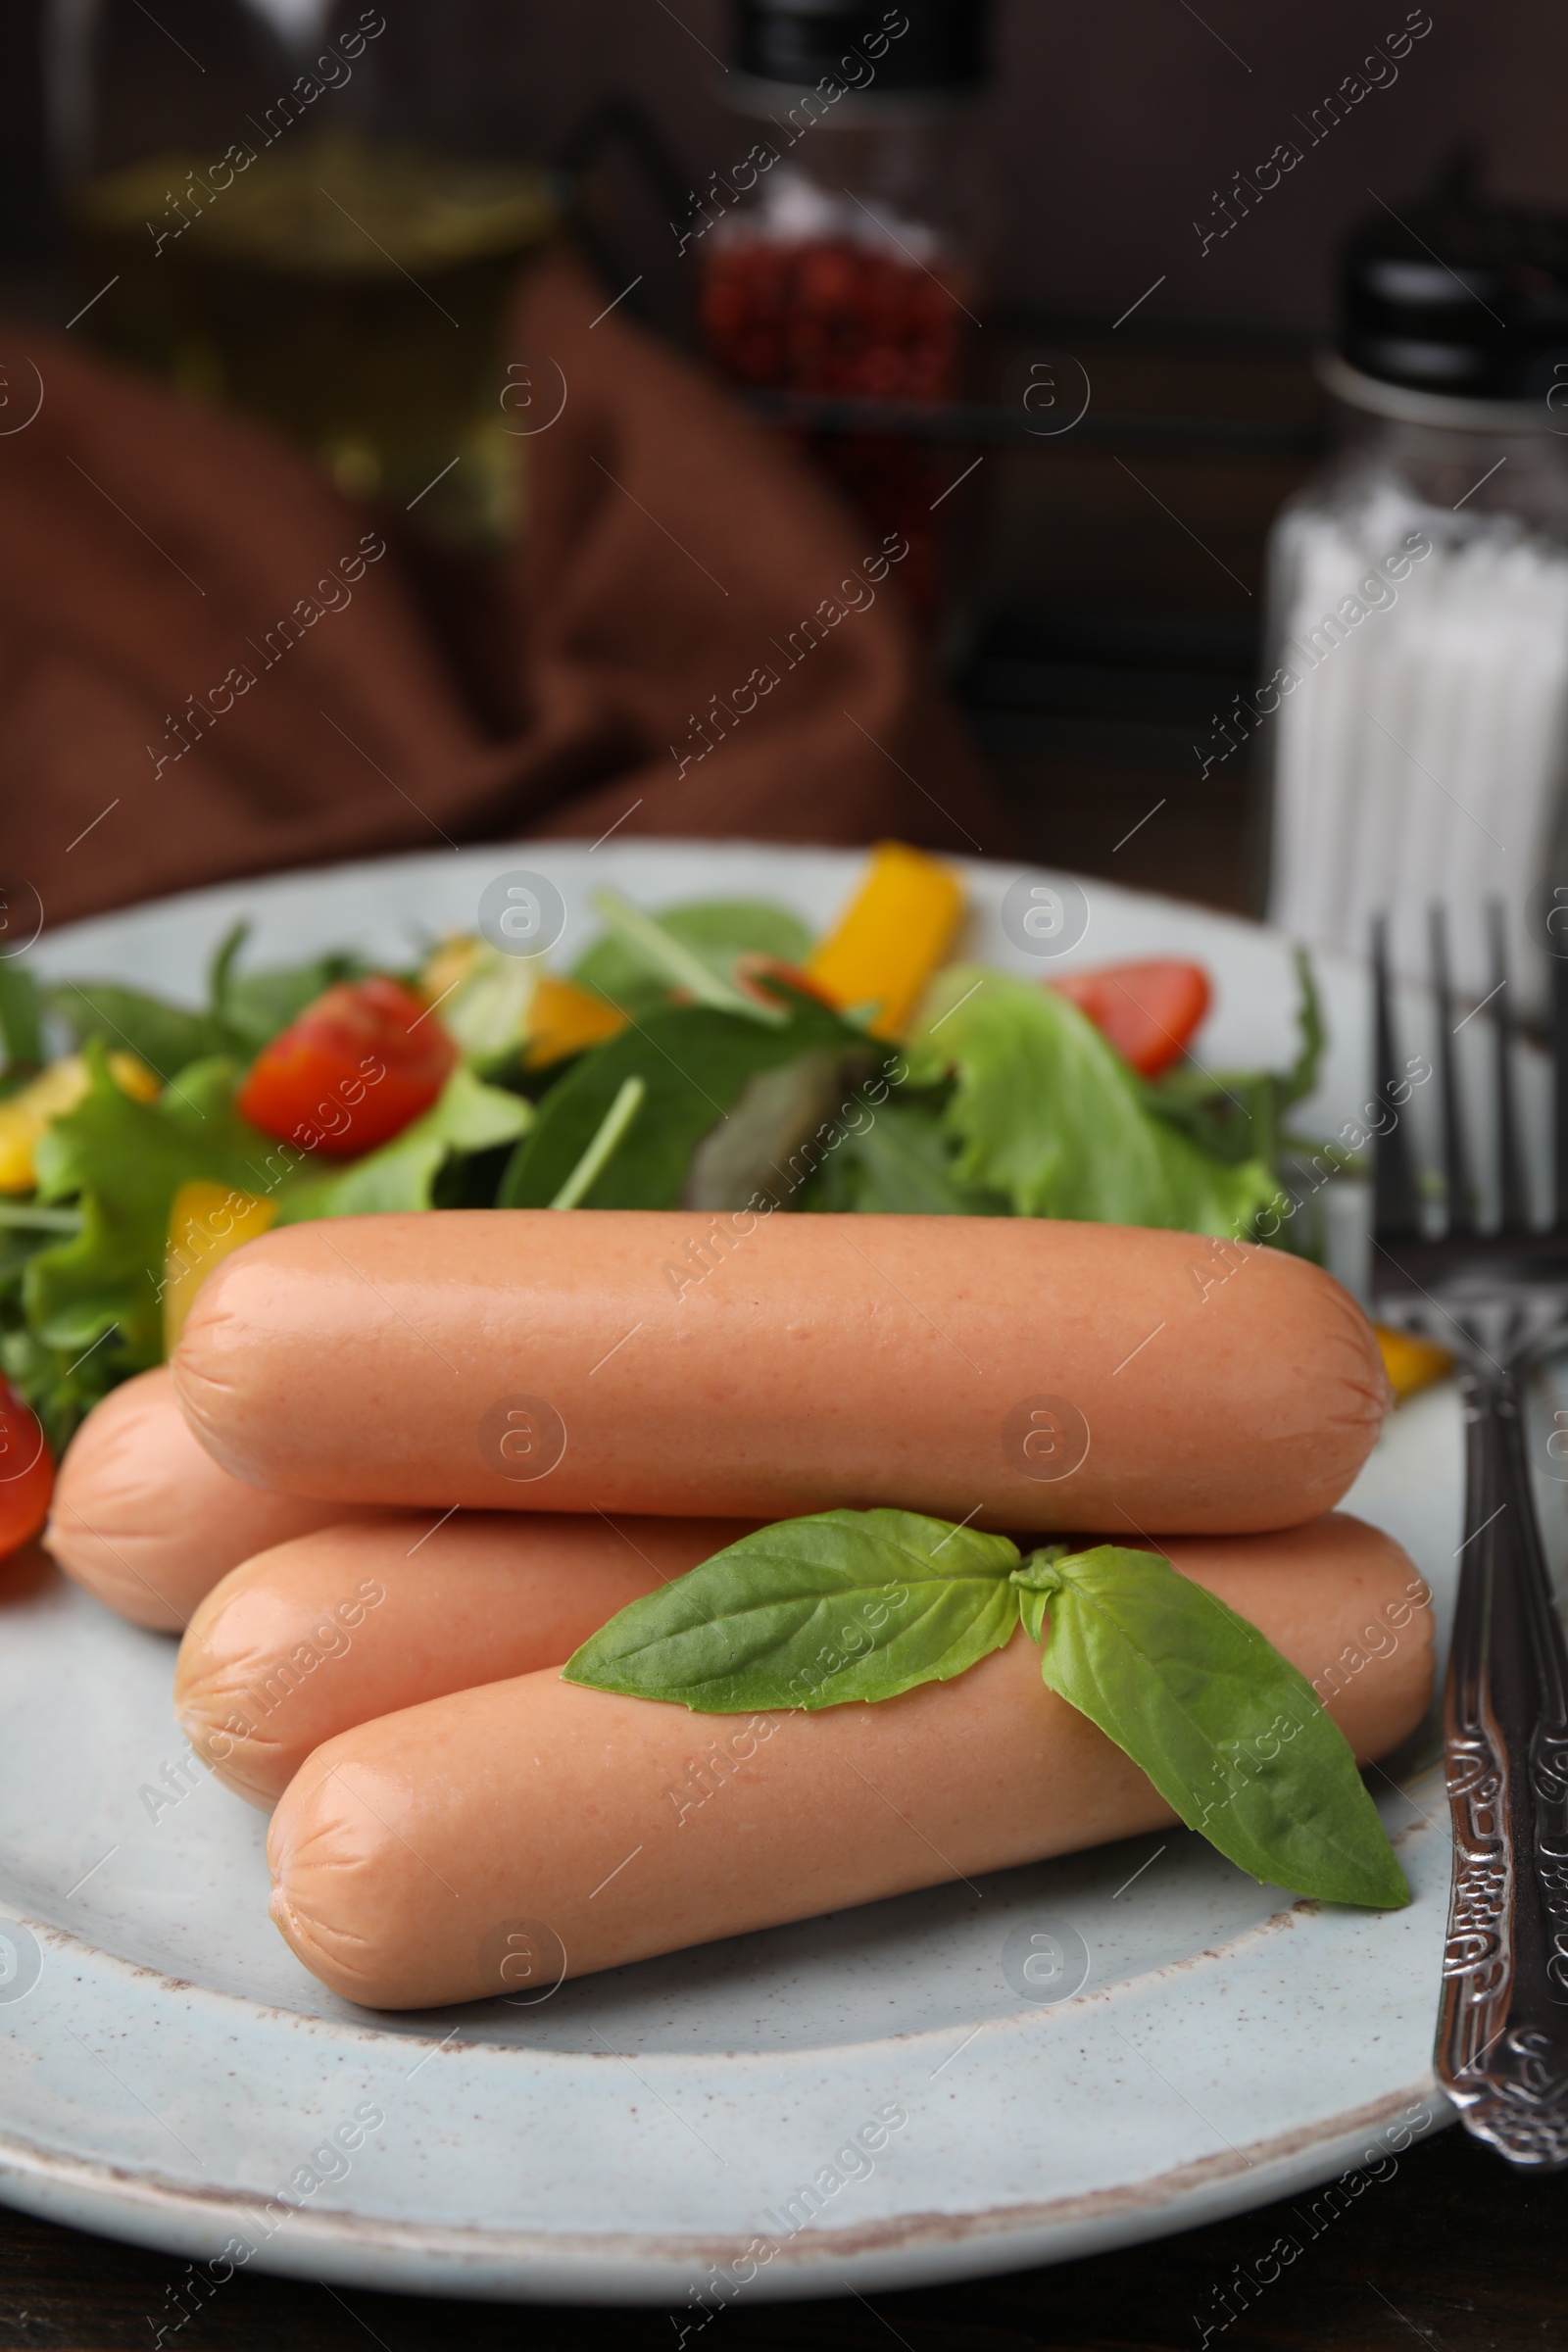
25 1114
563 1019
1411 1364
890 939
207 1221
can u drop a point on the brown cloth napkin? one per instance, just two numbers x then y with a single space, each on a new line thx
206 670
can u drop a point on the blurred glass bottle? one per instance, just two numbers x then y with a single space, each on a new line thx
1416 697
315 212
842 252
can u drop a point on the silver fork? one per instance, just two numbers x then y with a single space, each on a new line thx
1494 1298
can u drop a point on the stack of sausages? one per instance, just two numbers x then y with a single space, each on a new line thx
402 1466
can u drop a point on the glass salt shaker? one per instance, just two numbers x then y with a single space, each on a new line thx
1415 694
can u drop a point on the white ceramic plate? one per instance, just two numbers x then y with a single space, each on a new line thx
672 2132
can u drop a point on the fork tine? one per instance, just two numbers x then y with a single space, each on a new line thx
1559 1091
1455 1158
1395 1211
1510 1158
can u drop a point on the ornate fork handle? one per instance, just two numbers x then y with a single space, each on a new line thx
1503 2034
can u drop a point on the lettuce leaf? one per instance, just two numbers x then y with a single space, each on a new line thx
86 1311
402 1175
1044 1111
94 1301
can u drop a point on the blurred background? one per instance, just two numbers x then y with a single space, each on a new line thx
1109 430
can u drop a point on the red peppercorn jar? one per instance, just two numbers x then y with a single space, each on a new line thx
841 254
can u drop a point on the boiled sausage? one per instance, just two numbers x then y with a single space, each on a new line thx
1023 1373
534 1826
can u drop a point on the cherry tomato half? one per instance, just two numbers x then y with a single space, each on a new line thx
1148 1012
351 1072
27 1473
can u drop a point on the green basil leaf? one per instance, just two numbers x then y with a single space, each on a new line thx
1230 1735
814 1612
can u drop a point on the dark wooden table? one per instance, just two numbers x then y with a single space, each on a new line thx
1447 2248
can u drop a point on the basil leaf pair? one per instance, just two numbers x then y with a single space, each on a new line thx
861 1606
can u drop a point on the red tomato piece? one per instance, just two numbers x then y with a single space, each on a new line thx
351 1072
1147 1011
27 1473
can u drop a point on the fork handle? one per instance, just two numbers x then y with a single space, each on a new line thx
1502 2033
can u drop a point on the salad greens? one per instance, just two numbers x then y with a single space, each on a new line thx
634 964
242 1012
696 1062
86 1309
859 1606
1048 1114
710 1074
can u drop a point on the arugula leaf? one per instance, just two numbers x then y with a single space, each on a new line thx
257 1005
245 1011
1230 1735
222 965
1047 1114
902 1161
401 1174
715 930
813 1614
21 1019
168 1038
767 1145
685 973
694 1063
618 1120
251 1008
28 1366
1239 1114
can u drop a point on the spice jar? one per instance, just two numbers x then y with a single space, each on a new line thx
1416 683
841 252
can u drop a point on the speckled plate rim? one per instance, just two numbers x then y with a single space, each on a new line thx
917 2249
